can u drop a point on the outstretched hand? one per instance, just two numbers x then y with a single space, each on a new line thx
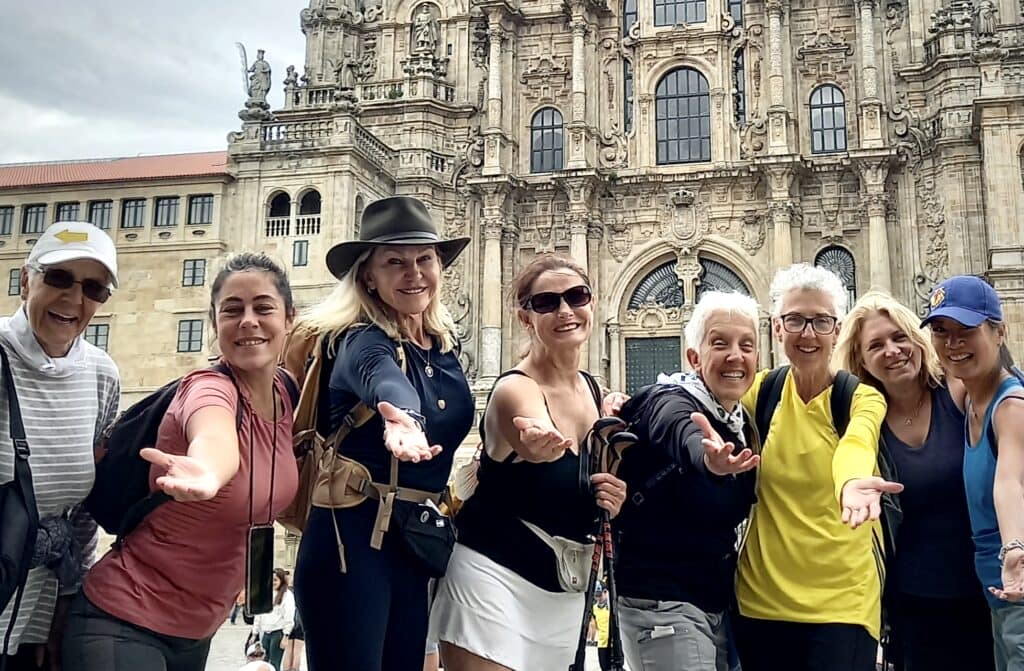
862 499
540 438
403 436
718 454
1013 578
185 478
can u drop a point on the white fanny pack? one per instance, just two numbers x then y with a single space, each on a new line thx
573 559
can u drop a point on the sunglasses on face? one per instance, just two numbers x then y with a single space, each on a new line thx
548 301
58 278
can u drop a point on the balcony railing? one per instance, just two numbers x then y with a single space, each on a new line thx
307 224
296 131
278 227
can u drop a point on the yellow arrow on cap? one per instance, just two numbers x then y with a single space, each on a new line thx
68 236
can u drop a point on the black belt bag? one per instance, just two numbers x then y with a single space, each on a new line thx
426 534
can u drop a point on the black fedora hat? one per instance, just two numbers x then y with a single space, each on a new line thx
400 220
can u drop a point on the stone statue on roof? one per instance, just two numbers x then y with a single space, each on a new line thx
259 79
424 30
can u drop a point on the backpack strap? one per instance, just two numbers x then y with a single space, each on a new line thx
595 389
843 388
768 397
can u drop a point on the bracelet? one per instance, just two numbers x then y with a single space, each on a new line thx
1015 544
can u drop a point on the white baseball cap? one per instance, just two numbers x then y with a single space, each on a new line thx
73 240
253 650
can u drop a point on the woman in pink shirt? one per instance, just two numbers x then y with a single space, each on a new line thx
155 603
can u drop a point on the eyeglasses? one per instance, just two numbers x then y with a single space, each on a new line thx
58 278
548 301
821 324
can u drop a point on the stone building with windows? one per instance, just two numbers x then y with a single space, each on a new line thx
670 146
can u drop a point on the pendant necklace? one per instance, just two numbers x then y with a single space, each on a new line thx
428 369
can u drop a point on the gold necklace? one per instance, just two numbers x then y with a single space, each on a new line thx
909 419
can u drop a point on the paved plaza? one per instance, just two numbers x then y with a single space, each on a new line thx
226 654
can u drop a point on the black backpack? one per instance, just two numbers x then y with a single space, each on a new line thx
121 497
768 397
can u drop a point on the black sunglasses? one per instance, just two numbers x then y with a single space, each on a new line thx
58 278
548 301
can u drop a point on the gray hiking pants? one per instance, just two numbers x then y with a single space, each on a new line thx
1008 636
672 636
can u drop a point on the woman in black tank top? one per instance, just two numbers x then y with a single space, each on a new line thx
513 596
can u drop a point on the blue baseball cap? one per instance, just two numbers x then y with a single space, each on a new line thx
966 299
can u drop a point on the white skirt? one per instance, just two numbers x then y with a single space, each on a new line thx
494 613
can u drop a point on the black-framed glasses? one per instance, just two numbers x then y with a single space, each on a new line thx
58 278
821 324
548 301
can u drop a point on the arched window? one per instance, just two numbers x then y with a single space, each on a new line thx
683 116
719 277
546 141
671 12
828 120
310 203
357 222
628 16
660 287
627 96
280 205
840 261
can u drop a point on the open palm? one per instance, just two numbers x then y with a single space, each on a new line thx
184 478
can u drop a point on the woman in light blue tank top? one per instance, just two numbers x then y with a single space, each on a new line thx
969 335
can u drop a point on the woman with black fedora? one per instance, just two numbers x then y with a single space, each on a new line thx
390 345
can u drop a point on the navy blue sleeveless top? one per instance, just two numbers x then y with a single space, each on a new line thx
935 520
544 494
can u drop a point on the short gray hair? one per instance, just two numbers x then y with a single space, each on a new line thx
733 302
808 278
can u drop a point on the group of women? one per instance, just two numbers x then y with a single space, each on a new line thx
803 591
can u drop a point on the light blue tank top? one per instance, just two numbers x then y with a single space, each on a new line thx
979 476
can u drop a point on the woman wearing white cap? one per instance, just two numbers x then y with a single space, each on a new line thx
68 393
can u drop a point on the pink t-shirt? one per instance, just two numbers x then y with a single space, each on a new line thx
179 571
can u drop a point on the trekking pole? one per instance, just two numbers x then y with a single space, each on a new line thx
579 663
616 443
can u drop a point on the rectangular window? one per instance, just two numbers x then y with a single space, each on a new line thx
627 96
133 213
98 335
300 253
67 212
190 335
672 12
166 212
14 282
193 273
740 89
99 213
736 10
34 219
6 219
200 209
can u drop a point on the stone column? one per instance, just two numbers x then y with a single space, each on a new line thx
509 240
871 106
878 242
576 156
595 232
494 135
490 310
782 234
778 114
578 249
615 381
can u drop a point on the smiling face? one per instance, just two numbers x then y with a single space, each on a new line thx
888 353
966 352
58 316
565 327
808 348
727 358
251 320
406 279
277 583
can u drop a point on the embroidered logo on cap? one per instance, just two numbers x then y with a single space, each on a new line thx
938 297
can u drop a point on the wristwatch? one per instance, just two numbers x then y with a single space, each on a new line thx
1015 544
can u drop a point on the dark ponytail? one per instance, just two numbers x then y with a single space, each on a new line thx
1006 362
244 262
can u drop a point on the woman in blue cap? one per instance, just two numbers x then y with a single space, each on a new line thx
969 335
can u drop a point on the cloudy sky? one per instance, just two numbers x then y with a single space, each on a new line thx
99 78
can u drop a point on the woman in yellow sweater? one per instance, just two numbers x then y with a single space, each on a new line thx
811 570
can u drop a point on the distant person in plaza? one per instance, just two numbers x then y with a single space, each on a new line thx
295 650
811 567
237 608
938 615
254 656
510 599
155 603
68 392
273 628
599 624
969 333
691 483
372 615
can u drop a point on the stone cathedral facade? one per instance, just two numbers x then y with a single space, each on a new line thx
669 146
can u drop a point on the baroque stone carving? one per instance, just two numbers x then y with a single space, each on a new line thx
615 152
257 81
752 231
480 42
752 138
424 30
824 55
546 78
895 13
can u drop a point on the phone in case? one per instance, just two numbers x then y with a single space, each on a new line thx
259 570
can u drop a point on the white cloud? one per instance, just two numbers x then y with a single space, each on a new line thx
119 78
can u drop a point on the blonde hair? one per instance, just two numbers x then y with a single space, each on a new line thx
351 304
848 355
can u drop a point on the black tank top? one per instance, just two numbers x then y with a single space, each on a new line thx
544 494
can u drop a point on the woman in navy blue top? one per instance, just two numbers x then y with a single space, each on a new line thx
969 334
936 610
373 616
